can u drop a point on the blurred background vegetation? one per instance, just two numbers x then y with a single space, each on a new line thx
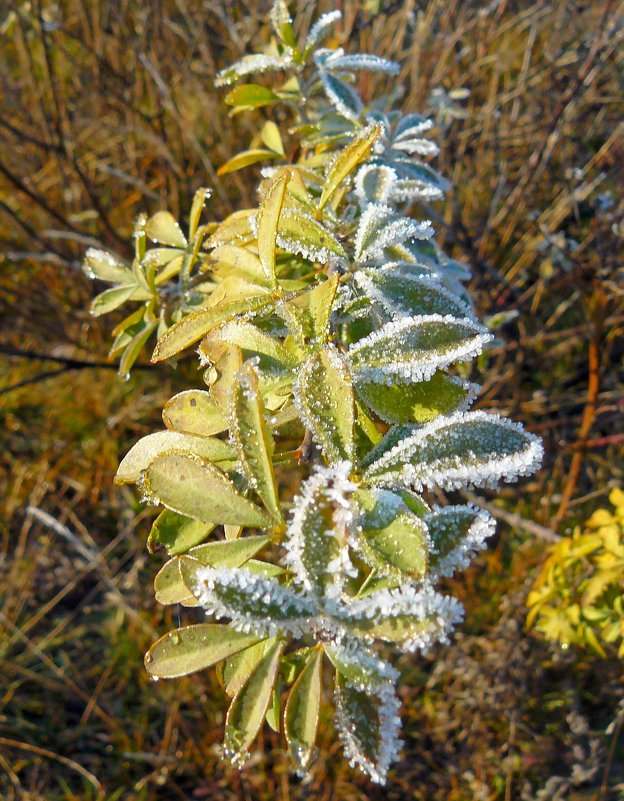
107 109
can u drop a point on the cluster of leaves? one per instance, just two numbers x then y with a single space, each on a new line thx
327 323
578 597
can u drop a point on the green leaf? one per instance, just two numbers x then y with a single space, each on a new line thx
342 96
141 455
111 299
300 233
346 161
268 219
466 448
270 135
415 403
176 532
134 347
194 412
251 95
169 587
192 648
162 227
247 710
199 201
392 539
226 361
313 308
400 294
250 338
324 396
198 489
229 553
282 23
106 267
238 668
240 261
245 158
413 348
253 439
302 712
367 725
197 324
455 532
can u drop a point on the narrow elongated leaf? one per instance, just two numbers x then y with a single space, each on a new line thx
251 95
134 347
247 710
342 96
399 294
363 61
302 712
257 62
162 227
457 534
245 158
111 299
416 403
313 309
197 324
192 648
177 533
141 455
198 489
414 616
324 396
238 668
268 220
106 267
466 448
194 412
347 160
316 539
252 601
413 348
253 439
228 553
321 28
368 727
301 233
201 196
249 337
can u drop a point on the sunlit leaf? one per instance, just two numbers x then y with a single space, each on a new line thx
162 227
347 160
302 712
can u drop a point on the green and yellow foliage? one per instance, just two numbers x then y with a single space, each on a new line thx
578 596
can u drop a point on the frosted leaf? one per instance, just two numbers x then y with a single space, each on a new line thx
413 348
258 62
106 267
360 664
457 534
316 539
362 61
464 449
399 294
380 226
417 171
280 18
321 28
343 97
299 232
254 604
323 393
406 189
421 146
412 125
414 616
368 725
374 183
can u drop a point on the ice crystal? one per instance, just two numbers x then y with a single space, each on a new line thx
361 61
444 521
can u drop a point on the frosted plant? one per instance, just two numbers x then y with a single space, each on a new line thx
297 481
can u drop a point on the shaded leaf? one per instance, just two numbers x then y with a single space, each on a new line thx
302 712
